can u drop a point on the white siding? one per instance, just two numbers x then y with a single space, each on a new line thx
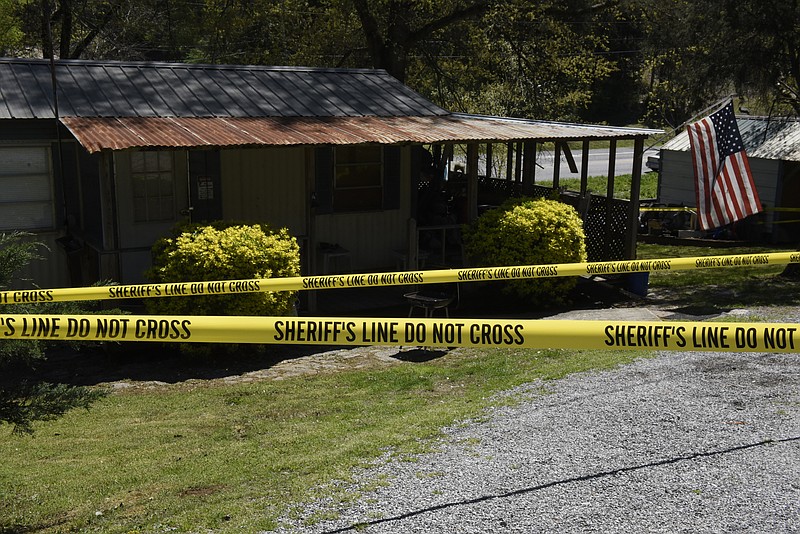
265 185
676 182
269 185
677 178
370 236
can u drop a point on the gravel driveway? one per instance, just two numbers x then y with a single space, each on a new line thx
684 442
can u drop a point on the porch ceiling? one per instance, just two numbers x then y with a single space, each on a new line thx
99 133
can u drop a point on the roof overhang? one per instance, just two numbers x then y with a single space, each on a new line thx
120 133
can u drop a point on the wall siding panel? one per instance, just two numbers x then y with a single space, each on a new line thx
371 237
265 185
50 272
676 185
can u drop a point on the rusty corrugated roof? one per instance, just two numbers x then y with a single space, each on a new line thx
96 134
767 138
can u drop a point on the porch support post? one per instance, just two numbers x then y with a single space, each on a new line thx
488 160
633 207
472 181
109 257
609 232
413 246
556 164
529 166
509 161
518 166
584 167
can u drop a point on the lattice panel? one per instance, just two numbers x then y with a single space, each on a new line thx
603 242
606 242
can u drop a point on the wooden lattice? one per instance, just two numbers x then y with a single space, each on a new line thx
605 224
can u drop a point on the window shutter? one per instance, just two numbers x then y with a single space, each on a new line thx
391 177
323 177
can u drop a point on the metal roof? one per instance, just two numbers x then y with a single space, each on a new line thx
117 105
767 138
118 89
96 134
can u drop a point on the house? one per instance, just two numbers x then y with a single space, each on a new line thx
773 150
99 159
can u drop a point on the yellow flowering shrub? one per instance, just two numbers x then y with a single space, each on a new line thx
222 252
529 232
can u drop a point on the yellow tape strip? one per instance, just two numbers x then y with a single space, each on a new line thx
300 283
645 335
667 209
687 208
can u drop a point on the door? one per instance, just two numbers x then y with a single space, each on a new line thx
205 188
152 196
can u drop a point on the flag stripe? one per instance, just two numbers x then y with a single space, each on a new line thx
733 174
724 186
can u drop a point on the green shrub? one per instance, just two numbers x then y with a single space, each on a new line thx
225 251
25 397
529 232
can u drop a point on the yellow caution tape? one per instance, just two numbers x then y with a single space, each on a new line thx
645 335
688 208
679 208
478 274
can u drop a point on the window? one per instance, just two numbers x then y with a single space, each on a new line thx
358 182
26 188
152 177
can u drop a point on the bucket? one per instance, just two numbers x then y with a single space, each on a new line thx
637 283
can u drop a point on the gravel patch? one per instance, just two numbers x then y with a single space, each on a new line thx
683 442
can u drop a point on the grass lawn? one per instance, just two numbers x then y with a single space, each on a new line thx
721 288
212 455
598 185
233 457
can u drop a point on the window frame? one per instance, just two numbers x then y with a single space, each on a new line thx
147 197
48 173
345 197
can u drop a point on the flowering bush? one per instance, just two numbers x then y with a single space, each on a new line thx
223 252
529 232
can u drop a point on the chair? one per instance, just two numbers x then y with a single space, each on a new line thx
430 300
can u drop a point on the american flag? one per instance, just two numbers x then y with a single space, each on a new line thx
723 181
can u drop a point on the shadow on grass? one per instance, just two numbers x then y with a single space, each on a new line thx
420 355
712 298
161 362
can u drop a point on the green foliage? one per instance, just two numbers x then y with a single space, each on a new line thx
25 399
529 232
11 34
619 62
225 251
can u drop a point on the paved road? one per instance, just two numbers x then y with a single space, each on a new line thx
598 163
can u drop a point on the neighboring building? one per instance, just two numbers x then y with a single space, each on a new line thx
773 149
331 154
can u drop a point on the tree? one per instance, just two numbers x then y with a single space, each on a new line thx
700 52
24 398
11 34
393 29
